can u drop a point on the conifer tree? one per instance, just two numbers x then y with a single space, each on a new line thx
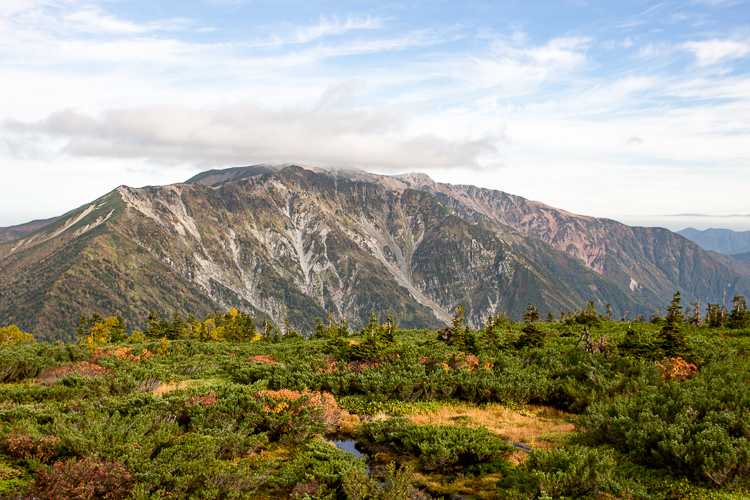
739 317
373 326
695 319
320 330
267 327
531 335
177 328
714 317
343 328
673 341
156 325
248 328
532 314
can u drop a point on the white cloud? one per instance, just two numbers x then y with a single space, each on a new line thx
247 133
522 68
334 26
68 17
714 51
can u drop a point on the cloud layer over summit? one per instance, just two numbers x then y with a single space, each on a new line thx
628 110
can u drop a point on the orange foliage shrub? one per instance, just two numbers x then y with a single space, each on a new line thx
265 359
677 369
331 412
123 353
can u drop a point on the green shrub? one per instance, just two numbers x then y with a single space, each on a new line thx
396 485
570 472
360 405
437 446
699 428
322 462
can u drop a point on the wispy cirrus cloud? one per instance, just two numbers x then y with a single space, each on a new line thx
332 25
70 17
715 51
523 67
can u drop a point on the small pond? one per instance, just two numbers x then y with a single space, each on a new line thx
346 443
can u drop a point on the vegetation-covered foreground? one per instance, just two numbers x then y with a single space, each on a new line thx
220 408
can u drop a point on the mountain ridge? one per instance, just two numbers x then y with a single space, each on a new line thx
723 241
298 243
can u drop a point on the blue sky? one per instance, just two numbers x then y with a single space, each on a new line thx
637 111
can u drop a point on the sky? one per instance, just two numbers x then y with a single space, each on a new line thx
637 111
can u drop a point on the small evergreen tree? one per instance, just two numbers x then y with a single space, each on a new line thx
714 315
673 341
531 335
372 328
532 314
320 330
248 331
343 328
156 326
639 346
457 324
268 328
177 328
694 319
739 317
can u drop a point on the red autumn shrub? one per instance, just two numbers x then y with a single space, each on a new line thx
51 376
205 400
86 479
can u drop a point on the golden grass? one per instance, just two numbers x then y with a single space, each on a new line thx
537 426
349 423
165 388
186 384
485 487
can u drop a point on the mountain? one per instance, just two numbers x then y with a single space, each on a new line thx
719 240
14 232
652 262
287 241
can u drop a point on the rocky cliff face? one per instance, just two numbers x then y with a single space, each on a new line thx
300 243
652 262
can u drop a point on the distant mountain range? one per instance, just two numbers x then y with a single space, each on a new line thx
720 240
287 241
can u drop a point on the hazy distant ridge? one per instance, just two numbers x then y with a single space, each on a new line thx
719 240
